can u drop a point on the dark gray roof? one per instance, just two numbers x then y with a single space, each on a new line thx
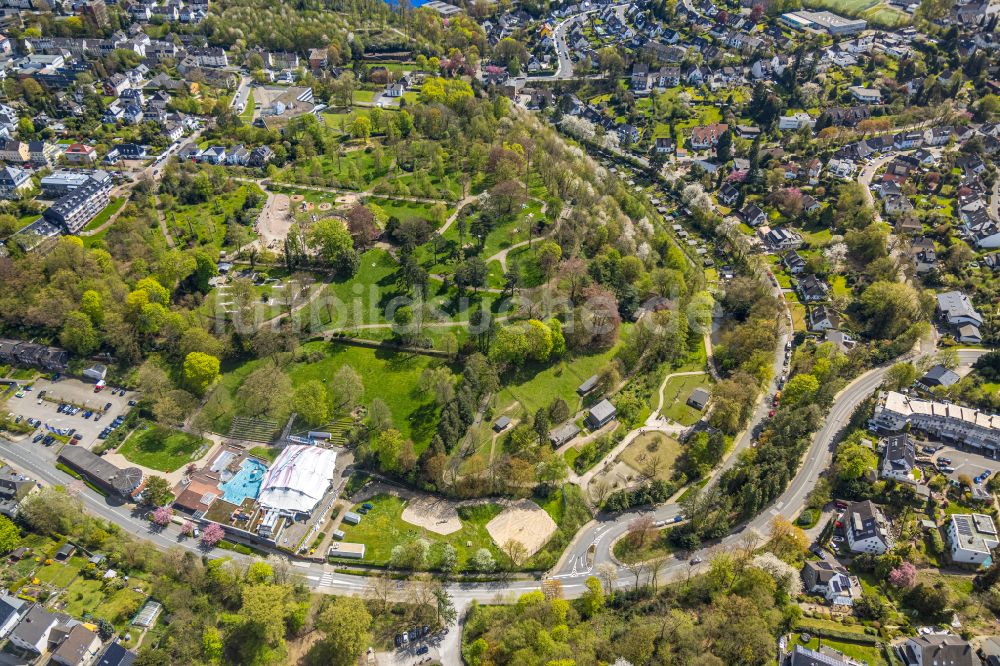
116 655
603 410
862 520
803 656
939 649
34 626
10 606
900 454
939 376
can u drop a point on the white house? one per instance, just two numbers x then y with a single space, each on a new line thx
32 632
866 528
795 121
899 459
832 581
11 610
973 538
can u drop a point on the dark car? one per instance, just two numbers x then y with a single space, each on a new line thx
42 394
78 436
107 406
132 403
37 438
424 630
423 649
398 640
367 506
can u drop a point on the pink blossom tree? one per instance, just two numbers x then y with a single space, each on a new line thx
904 576
187 528
212 535
162 516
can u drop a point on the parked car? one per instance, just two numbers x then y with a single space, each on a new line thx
946 461
37 438
398 640
107 406
423 649
19 418
87 414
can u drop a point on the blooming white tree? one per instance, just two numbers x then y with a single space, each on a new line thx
784 574
578 127
694 196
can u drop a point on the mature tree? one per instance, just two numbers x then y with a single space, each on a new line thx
264 391
889 308
379 415
483 560
800 389
348 388
50 511
853 460
388 445
900 375
200 371
592 601
161 516
157 490
79 335
310 402
333 241
212 535
345 623
361 224
9 535
904 576
471 273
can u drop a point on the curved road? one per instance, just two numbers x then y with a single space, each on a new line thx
574 568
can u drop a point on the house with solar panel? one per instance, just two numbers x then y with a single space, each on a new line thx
973 538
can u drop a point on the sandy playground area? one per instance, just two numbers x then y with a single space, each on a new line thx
274 220
433 514
522 521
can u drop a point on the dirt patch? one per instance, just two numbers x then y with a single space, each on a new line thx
275 220
522 521
298 197
433 514
326 205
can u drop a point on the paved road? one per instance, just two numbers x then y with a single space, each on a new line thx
565 69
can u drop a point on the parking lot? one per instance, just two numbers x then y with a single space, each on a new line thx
967 462
72 391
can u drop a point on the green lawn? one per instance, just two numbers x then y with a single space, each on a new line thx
57 574
265 452
161 448
838 285
383 527
675 395
867 654
247 114
391 376
109 210
535 386
205 223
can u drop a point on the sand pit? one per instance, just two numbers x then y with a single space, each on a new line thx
436 515
326 205
522 521
298 197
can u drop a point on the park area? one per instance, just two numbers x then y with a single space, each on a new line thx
676 392
163 449
389 375
426 532
652 454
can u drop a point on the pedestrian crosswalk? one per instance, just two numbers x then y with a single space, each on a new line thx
326 580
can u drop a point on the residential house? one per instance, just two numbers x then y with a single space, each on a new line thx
810 204
823 656
728 195
42 154
238 156
899 459
811 289
209 57
663 144
32 632
707 136
698 399
14 152
116 84
131 151
317 59
260 156
14 487
939 650
781 239
14 181
640 77
956 309
12 610
117 655
923 255
832 581
213 155
80 154
753 215
973 538
823 319
866 95
867 529
564 433
938 136
795 121
794 262
939 375
907 140
897 205
80 647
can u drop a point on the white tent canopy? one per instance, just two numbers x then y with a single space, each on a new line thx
298 479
